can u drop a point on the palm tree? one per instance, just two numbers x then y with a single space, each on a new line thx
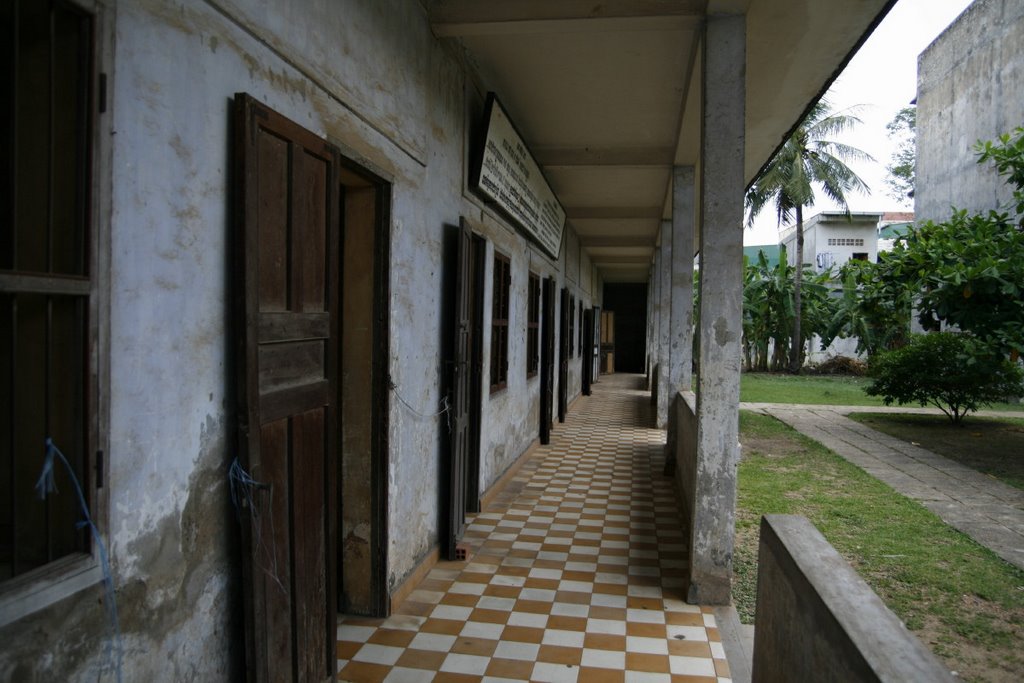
806 159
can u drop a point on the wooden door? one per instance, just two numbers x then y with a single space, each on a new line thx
461 390
588 350
547 358
286 290
563 358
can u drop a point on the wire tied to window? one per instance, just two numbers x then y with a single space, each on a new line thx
243 488
47 484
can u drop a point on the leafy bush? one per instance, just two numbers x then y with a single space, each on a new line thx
954 372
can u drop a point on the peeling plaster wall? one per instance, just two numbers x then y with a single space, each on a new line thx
369 76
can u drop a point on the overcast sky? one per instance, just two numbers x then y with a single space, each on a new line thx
882 79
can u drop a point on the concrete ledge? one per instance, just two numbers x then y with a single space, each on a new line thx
682 440
817 620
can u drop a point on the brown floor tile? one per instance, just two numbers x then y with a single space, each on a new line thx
502 591
415 609
446 677
633 602
592 675
560 655
689 648
474 577
684 678
523 634
544 584
722 668
563 623
636 628
573 597
604 641
361 672
510 668
346 650
533 606
637 661
386 636
460 599
448 627
434 585
468 645
613 613
684 618
714 636
610 588
489 616
421 659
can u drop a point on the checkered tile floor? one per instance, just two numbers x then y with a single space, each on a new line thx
574 573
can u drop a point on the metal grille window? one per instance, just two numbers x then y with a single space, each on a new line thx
579 331
45 279
499 322
532 324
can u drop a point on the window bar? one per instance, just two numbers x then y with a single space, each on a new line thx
12 138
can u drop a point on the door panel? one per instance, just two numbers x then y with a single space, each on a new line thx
563 357
547 359
287 233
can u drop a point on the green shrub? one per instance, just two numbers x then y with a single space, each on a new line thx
954 372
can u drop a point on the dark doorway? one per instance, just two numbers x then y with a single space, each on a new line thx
547 359
628 301
563 356
588 350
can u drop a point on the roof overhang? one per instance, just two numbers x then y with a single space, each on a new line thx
608 95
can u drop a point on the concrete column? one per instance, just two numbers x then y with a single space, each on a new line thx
649 341
664 330
721 299
681 326
655 296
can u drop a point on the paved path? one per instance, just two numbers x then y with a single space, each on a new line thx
990 512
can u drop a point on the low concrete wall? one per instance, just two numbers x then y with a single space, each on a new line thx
817 620
681 448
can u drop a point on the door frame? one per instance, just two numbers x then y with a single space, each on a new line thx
380 391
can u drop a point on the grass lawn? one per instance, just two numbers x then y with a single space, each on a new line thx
994 446
831 390
960 599
822 390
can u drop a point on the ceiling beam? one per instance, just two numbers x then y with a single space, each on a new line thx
613 212
604 156
450 18
631 259
616 241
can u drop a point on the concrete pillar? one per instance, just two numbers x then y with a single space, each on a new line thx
721 299
649 341
664 331
653 342
681 325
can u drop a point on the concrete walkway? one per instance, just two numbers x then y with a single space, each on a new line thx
990 512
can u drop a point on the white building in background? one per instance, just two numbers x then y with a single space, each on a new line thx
831 238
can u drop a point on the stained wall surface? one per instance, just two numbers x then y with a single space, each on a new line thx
970 87
372 79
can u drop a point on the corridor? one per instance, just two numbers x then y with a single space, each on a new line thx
574 572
